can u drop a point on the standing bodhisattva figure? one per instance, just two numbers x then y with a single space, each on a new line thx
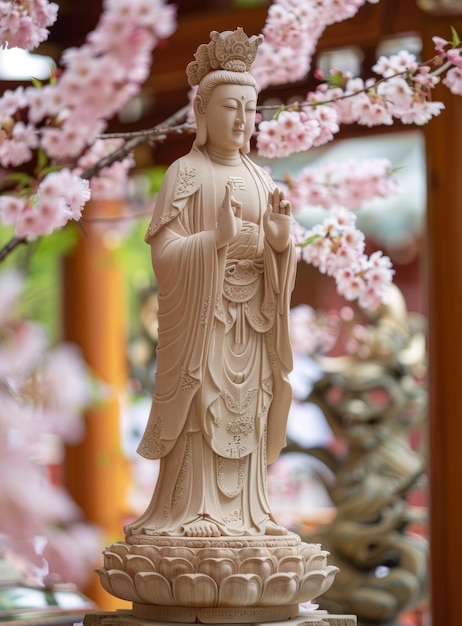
225 266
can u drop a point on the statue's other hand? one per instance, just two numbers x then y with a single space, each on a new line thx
229 221
277 220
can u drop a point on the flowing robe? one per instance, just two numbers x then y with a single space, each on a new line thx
222 397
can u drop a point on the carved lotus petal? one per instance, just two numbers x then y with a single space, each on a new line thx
154 589
134 563
311 549
112 560
282 586
218 569
263 567
240 590
171 567
332 571
317 561
120 548
285 551
248 553
104 579
195 590
314 584
213 553
177 551
119 584
150 552
292 564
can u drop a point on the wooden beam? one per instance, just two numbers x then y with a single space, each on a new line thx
444 296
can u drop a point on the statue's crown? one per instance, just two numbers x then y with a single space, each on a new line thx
229 50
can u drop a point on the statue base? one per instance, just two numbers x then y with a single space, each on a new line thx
302 618
216 579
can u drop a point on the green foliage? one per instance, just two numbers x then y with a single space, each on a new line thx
134 254
455 37
40 263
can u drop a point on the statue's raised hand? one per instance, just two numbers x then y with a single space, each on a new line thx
229 220
277 220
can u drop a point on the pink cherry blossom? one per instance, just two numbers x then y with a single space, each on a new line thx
60 197
336 248
313 332
453 80
397 92
454 56
10 102
69 399
395 64
347 184
22 347
10 208
25 24
420 113
290 132
292 30
111 182
70 554
34 404
371 112
16 148
65 116
11 286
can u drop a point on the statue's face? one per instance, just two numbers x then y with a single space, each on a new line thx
230 116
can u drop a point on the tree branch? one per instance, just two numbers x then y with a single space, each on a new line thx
10 246
174 123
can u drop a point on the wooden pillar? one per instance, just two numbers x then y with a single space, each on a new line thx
94 317
444 245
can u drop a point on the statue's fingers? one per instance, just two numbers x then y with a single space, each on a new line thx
227 198
276 199
237 207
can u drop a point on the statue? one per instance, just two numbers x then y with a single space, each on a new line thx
376 404
225 267
208 547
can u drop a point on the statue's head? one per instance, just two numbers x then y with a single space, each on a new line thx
225 60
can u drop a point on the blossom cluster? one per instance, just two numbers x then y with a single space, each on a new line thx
453 54
25 24
59 198
35 409
401 90
62 119
404 92
347 184
292 31
313 332
336 247
111 182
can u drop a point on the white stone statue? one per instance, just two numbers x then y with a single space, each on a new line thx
208 547
225 267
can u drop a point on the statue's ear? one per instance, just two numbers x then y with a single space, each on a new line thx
199 113
199 109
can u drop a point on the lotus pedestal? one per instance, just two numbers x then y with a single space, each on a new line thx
215 580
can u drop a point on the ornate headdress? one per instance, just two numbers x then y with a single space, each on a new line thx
229 50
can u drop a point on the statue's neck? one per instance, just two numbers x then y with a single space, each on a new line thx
223 157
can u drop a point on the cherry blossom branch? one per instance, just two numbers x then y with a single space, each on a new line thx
172 124
13 243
